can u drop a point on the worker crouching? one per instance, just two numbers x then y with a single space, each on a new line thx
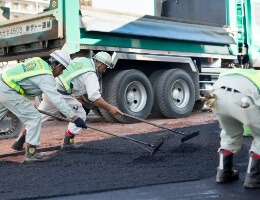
237 103
81 78
30 79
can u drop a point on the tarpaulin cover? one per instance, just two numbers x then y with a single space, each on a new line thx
115 22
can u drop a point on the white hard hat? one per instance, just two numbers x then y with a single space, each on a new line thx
62 57
105 58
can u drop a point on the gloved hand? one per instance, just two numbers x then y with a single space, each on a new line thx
81 99
79 122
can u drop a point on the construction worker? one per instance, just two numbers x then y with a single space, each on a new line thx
81 78
31 79
235 99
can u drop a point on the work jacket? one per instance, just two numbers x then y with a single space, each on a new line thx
77 67
33 67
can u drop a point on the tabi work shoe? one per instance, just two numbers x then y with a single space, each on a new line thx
18 143
68 141
225 173
33 156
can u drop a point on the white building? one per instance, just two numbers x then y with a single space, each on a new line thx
20 8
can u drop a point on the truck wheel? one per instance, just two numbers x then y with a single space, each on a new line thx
105 82
175 93
10 126
155 112
131 92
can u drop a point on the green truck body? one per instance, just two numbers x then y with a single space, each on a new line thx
164 64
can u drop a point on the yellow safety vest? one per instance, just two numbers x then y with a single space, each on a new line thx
76 68
33 67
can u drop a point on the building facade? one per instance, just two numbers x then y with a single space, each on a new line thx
19 8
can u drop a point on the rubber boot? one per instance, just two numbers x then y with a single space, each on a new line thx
252 179
68 141
225 173
33 156
18 143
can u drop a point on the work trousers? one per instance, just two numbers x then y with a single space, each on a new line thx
232 117
73 103
23 109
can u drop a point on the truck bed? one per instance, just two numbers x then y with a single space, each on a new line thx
40 34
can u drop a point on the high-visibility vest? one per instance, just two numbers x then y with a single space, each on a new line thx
33 67
76 68
251 74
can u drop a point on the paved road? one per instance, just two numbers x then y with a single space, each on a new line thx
202 189
118 169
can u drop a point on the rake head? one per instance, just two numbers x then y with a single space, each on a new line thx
157 148
188 137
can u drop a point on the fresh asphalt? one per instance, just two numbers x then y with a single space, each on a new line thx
191 190
118 169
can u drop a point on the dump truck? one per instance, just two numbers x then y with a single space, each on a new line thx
165 63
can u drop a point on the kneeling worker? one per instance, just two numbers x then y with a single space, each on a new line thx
80 78
31 79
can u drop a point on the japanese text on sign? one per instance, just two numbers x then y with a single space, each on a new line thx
26 28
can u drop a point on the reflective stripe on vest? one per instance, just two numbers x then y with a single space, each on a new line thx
77 67
251 74
34 67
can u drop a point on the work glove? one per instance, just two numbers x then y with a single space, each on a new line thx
210 101
81 99
79 122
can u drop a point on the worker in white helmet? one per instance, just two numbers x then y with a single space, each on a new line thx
81 78
32 78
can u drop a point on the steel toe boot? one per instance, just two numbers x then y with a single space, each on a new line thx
68 141
18 143
33 156
224 172
252 179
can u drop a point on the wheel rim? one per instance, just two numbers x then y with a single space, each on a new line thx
180 93
8 124
136 96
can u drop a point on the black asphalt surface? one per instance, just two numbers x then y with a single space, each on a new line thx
118 169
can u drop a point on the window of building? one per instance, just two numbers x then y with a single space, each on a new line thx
15 6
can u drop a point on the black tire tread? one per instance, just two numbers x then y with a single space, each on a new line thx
17 123
159 93
105 82
155 112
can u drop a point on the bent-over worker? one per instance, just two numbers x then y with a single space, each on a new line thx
81 78
236 101
31 79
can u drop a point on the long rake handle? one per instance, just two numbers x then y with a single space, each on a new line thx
145 121
187 137
151 123
98 129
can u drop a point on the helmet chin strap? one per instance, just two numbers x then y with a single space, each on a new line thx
56 67
53 59
98 66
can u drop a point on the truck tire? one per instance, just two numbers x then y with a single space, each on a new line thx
131 91
105 82
97 112
10 126
175 93
155 112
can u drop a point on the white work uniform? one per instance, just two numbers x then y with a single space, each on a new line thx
232 116
22 107
86 83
